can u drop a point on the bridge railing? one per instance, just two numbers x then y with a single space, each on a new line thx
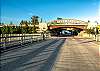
9 40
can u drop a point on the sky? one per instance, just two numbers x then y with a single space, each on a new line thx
17 10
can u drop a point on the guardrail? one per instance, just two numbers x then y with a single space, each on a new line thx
9 40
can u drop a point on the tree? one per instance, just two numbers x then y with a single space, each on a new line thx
58 18
90 31
6 29
1 23
18 30
30 30
11 27
34 23
11 23
24 26
88 21
34 20
29 23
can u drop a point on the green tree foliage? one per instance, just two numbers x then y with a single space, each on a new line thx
34 20
8 29
30 30
18 30
58 18
23 28
90 31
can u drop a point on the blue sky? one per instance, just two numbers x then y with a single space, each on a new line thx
17 10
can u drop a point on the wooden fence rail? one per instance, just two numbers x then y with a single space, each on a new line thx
8 40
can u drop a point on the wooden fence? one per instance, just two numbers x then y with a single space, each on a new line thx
8 40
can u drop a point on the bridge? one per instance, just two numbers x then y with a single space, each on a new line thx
68 23
75 26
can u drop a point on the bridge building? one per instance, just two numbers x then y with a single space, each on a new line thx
68 24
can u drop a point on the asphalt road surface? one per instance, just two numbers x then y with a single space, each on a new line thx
56 54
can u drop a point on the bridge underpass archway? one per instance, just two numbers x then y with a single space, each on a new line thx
56 26
58 31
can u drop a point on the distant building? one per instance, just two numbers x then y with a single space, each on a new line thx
39 27
91 25
42 27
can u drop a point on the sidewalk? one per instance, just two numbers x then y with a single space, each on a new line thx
85 35
77 57
89 38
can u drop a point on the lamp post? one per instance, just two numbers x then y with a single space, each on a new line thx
43 36
96 31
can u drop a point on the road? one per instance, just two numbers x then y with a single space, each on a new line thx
56 54
78 54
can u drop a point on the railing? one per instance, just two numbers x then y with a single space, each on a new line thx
9 40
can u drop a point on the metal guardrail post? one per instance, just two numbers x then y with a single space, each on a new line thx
10 38
31 39
43 36
19 38
5 40
1 40
22 39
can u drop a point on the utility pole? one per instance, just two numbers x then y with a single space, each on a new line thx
96 31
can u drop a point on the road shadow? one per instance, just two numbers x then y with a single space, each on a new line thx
41 59
18 46
88 41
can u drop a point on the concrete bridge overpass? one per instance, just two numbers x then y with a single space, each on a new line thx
74 26
68 23
71 26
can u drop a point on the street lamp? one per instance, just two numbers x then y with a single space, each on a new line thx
96 31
